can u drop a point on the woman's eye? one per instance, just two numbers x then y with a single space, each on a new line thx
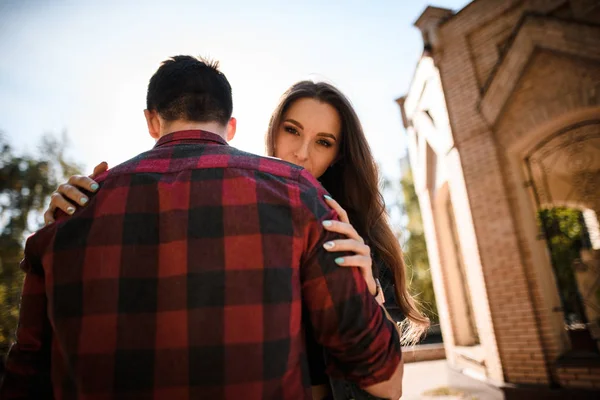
324 143
291 130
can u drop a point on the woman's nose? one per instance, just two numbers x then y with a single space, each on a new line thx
301 152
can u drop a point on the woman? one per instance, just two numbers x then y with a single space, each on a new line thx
316 127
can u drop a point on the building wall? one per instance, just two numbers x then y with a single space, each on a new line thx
440 185
512 73
426 94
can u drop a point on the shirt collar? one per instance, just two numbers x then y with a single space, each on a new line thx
190 135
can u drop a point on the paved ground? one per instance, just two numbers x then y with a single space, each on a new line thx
422 376
428 380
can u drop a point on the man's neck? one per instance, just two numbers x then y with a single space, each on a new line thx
176 126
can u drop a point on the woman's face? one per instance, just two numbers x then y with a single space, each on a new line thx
309 135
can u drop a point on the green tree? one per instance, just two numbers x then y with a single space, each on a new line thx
26 182
403 203
415 249
566 234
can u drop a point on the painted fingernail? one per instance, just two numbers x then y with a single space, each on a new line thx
328 197
94 187
327 223
70 210
339 260
83 200
329 245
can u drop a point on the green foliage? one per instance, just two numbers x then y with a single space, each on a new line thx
566 233
26 182
415 250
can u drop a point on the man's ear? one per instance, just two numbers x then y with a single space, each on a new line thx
153 123
231 128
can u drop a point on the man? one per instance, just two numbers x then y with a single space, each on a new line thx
189 273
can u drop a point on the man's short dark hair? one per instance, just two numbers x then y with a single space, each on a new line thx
191 89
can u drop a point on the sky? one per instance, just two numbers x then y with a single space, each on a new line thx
83 67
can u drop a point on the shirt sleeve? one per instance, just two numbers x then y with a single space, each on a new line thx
361 343
27 368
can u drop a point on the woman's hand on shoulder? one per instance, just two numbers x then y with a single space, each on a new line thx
354 243
67 197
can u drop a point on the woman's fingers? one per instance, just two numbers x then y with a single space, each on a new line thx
83 182
338 209
350 245
98 169
354 261
69 192
58 201
364 265
344 228
354 244
49 216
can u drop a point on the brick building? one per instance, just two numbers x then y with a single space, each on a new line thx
503 122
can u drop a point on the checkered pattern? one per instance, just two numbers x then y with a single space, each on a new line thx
191 273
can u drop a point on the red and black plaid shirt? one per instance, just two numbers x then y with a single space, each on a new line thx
191 273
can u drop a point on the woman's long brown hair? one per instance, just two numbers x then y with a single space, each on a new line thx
353 181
